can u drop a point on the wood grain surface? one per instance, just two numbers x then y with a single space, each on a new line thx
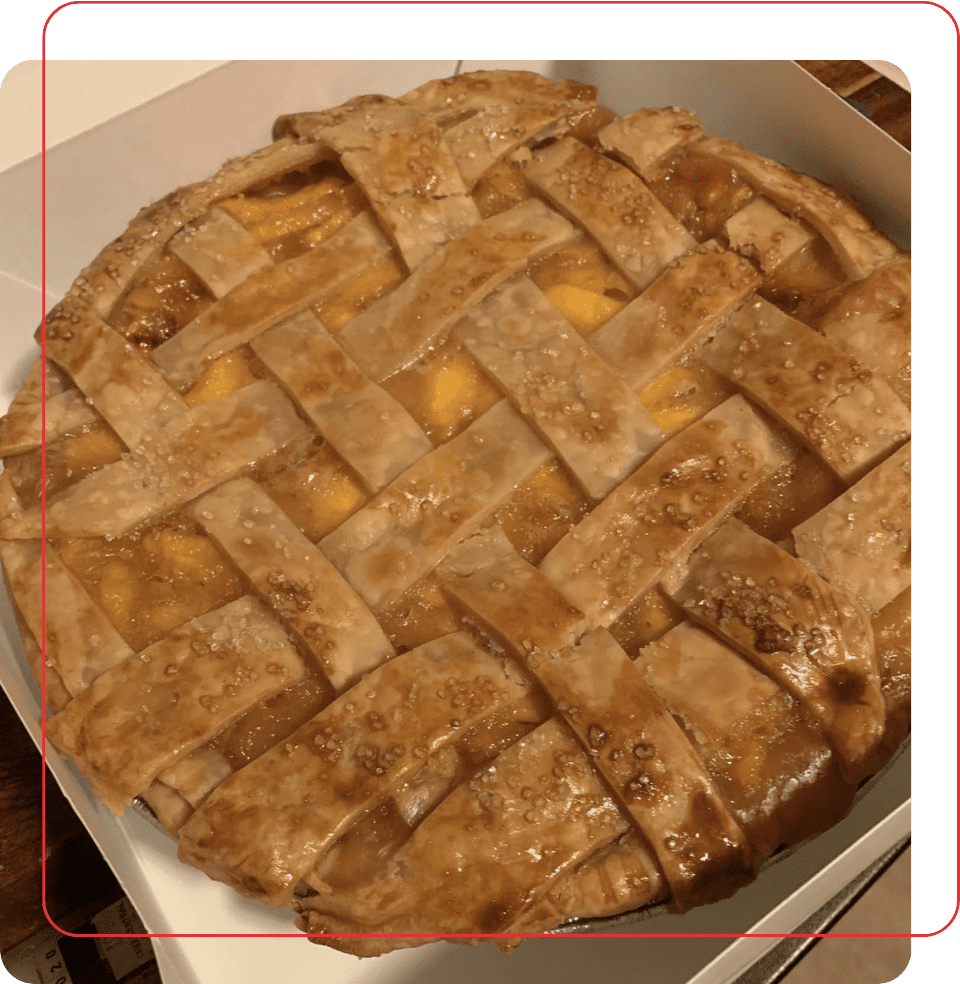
883 102
76 871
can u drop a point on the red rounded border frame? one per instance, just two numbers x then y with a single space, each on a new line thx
43 801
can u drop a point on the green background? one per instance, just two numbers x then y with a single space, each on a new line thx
920 38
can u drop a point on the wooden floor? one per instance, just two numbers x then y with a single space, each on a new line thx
76 871
883 102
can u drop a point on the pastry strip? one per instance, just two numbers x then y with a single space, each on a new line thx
269 297
105 279
120 383
360 854
795 627
764 233
511 598
265 826
857 244
633 741
447 100
57 694
631 225
377 110
177 462
250 735
501 128
367 427
220 251
145 713
525 821
569 395
663 510
411 179
196 774
641 139
860 542
81 642
762 748
362 850
20 425
31 393
67 413
168 806
677 311
650 764
41 384
891 634
295 579
871 322
616 878
401 535
64 413
398 329
842 411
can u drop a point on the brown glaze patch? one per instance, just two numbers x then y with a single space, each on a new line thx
537 514
646 620
806 283
166 296
846 687
312 484
420 614
500 188
582 264
783 500
278 717
497 915
705 815
700 192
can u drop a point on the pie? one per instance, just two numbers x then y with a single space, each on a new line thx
474 511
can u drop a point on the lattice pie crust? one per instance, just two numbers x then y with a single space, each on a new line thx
473 511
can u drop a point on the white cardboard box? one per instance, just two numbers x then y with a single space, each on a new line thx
100 178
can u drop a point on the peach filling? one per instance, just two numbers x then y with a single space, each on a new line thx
153 579
161 301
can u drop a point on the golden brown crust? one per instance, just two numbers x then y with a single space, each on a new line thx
369 373
859 247
102 282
